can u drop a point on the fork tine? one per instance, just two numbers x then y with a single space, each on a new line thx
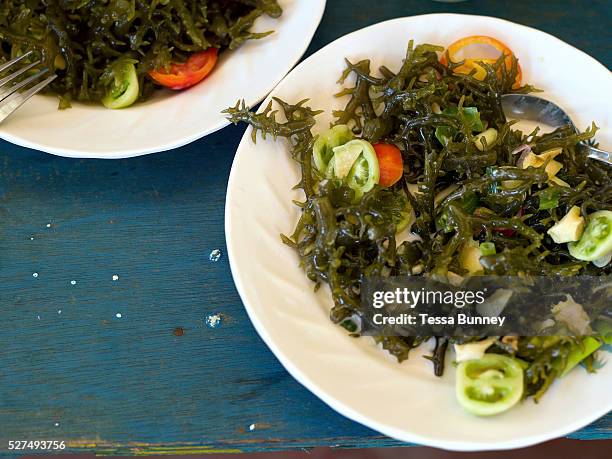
4 91
12 103
37 88
6 65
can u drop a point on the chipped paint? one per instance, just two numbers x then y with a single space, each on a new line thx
145 449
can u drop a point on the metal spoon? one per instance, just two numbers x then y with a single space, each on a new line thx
532 108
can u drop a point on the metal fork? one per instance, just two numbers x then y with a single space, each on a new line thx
13 93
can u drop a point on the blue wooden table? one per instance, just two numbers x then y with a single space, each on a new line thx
120 333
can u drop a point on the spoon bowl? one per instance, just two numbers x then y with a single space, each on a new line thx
533 108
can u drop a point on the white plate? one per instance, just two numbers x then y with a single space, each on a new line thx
171 119
405 401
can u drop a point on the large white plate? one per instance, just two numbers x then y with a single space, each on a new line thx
353 376
171 119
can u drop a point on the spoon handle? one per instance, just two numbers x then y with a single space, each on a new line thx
600 155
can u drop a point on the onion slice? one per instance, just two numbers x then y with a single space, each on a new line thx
524 150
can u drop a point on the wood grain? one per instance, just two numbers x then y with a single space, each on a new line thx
97 362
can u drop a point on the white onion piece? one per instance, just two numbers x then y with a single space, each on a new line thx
521 148
603 261
524 150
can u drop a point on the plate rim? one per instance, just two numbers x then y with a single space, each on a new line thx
221 123
338 406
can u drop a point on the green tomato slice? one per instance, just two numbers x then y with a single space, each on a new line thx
489 385
364 173
124 89
344 159
596 241
397 207
323 148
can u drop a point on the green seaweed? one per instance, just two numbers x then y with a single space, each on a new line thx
81 39
340 240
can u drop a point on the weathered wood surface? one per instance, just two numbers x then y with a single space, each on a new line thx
157 378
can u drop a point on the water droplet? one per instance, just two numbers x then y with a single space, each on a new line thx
115 277
213 320
215 255
72 282
118 315
34 274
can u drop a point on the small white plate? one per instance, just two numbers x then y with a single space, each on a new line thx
405 401
171 119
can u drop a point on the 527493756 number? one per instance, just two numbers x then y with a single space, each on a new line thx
42 445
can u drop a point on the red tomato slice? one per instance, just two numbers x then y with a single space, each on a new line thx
390 163
181 76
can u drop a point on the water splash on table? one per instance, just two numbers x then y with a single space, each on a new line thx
213 320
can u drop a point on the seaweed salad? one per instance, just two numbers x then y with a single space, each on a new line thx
427 150
117 51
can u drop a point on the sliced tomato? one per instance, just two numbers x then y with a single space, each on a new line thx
357 164
323 148
390 163
596 240
470 63
489 385
181 76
